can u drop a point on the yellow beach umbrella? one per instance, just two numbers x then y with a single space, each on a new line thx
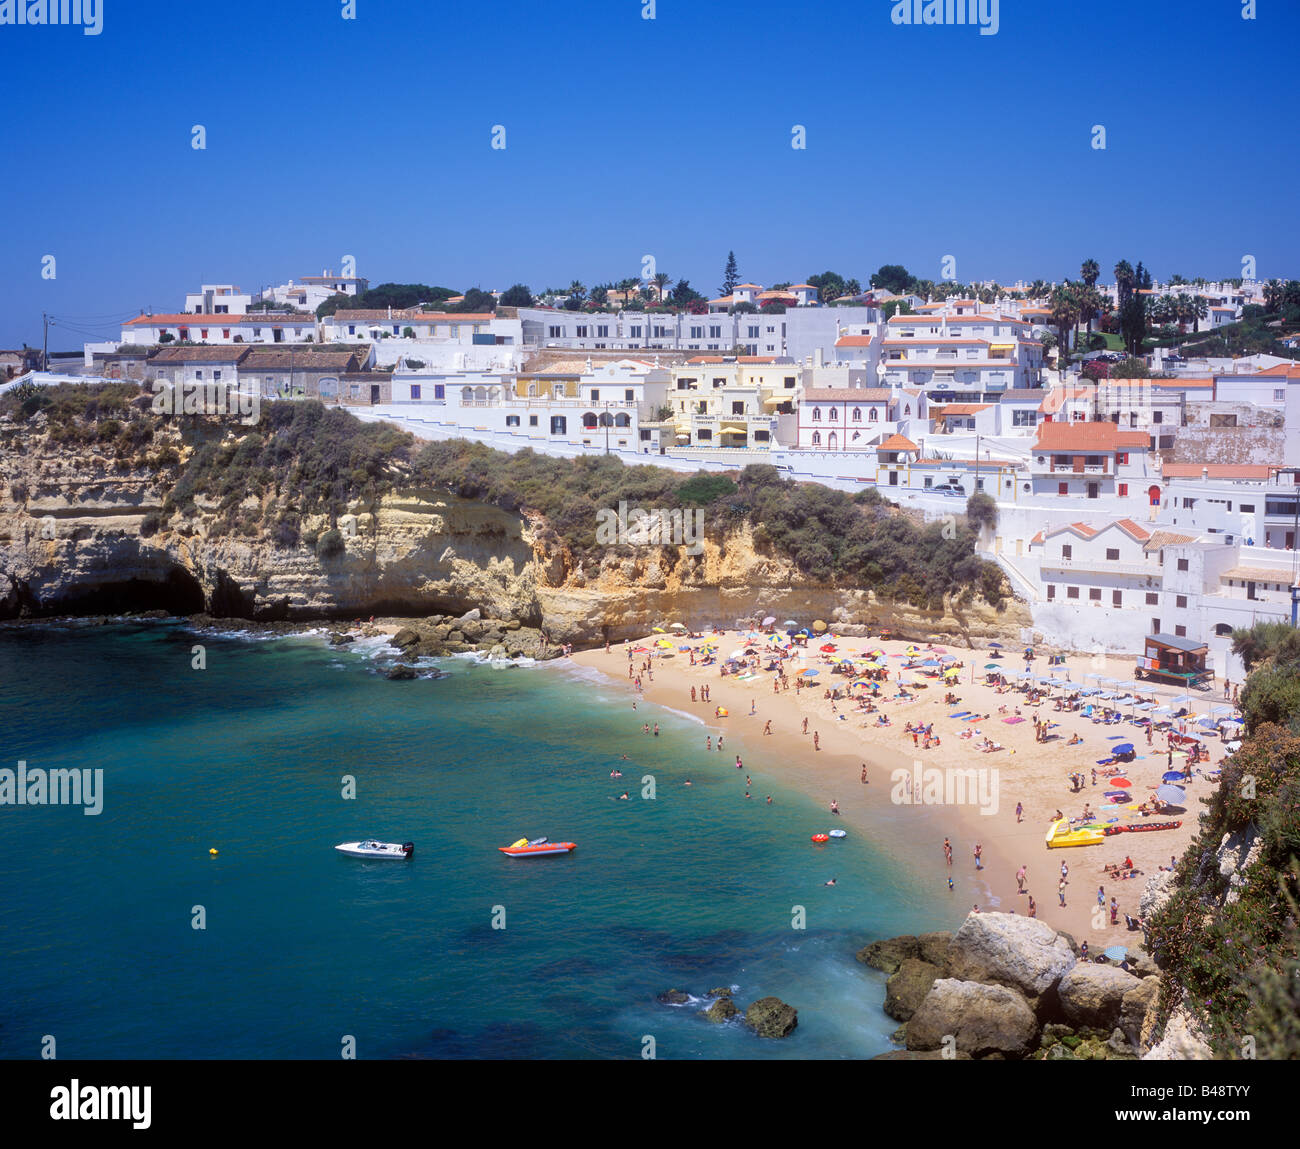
819 626
659 630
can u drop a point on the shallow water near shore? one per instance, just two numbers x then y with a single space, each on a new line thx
692 889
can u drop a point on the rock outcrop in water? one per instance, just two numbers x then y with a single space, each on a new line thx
1005 986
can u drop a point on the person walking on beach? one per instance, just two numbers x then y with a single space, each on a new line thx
864 773
1083 950
1101 896
817 740
1114 912
1033 909
805 725
947 850
692 694
1060 890
1020 812
1065 871
753 707
978 851
719 743
1020 879
767 727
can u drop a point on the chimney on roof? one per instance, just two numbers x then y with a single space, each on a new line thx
1205 473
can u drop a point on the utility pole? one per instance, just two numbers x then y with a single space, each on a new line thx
45 347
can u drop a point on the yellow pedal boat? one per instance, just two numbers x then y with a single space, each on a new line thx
1060 834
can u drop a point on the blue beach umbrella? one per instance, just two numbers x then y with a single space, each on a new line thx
1172 776
1123 748
1116 953
1171 794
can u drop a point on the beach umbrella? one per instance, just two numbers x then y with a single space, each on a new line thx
936 638
1120 783
992 666
1224 710
665 644
659 630
1123 748
769 620
808 673
685 649
678 626
1116 953
996 645
819 626
1171 794
829 648
789 622
1172 776
930 662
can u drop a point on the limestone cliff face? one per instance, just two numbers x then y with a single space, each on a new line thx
80 532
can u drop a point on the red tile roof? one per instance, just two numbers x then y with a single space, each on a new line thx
1257 471
853 341
897 443
1089 437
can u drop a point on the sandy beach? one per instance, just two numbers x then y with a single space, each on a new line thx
1025 771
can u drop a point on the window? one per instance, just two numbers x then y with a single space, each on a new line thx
1247 508
1278 395
929 482
789 382
512 420
635 331
857 414
715 332
1180 601
1051 592
1155 626
532 420
627 395
203 332
1067 551
225 333
835 415
1112 554
559 425
602 330
697 332
817 414
1094 593
582 331
1182 564
415 390
198 373
1180 631
1062 488
817 439
595 394
1123 488
1153 599
1071 592
554 332
752 332
1024 418
1157 416
1121 458
1116 598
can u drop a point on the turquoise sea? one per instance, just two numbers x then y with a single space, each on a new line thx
304 947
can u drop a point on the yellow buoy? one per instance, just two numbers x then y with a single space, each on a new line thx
213 852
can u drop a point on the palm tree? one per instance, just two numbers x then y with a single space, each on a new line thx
577 290
1124 279
661 280
1089 272
1065 309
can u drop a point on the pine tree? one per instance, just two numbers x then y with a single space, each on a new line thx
730 277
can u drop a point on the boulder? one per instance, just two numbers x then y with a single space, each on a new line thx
339 639
1136 1003
471 615
771 1017
401 672
889 953
908 986
405 638
981 1019
724 1009
674 997
934 947
1183 1040
1024 954
1093 994
720 991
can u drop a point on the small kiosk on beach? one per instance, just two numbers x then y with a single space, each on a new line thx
1169 658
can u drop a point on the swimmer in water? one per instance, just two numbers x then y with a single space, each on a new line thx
623 797
830 883
687 782
616 773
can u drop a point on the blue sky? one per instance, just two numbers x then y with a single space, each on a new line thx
625 137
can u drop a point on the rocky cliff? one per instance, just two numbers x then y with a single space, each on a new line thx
82 531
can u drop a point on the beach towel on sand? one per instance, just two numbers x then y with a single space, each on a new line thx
1013 720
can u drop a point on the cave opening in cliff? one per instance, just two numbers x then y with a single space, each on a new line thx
178 594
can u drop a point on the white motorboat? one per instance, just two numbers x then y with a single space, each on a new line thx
370 848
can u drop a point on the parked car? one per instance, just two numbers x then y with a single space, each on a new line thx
946 489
